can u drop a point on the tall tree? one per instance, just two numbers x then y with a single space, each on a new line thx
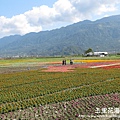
89 50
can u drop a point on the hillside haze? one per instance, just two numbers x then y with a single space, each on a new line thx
100 35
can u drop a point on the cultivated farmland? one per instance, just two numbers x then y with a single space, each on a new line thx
36 93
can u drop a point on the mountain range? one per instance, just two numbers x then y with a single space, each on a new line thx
100 35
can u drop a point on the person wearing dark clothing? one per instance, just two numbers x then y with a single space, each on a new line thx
71 62
65 62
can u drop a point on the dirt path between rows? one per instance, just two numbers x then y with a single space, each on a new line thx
101 66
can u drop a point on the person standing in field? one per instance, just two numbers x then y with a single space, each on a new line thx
63 62
71 62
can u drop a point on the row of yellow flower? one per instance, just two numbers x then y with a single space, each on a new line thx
93 60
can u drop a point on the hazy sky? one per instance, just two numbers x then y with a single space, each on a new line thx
24 16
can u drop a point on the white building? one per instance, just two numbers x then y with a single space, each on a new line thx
100 54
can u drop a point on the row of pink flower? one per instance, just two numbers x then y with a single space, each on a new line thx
66 110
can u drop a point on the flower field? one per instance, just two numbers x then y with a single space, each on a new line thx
58 95
100 63
73 109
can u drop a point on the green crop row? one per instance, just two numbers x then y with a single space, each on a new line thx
32 88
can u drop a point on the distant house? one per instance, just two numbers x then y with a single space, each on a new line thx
97 54
101 54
